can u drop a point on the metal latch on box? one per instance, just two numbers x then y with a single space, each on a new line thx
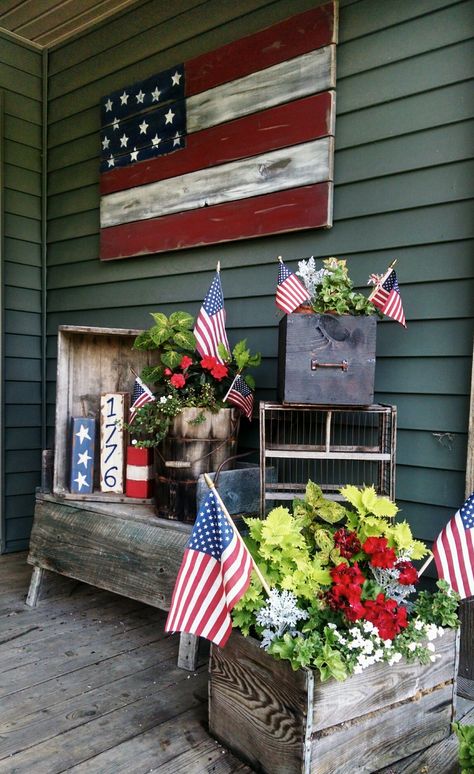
315 364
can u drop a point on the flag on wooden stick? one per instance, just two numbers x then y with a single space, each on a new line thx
214 575
209 329
386 297
454 550
141 395
290 291
241 396
235 143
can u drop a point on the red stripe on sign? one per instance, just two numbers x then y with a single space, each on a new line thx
139 489
279 127
290 38
300 208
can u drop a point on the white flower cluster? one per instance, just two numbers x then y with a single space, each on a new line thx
310 276
165 398
279 615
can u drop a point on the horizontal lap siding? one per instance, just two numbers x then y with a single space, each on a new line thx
403 188
21 83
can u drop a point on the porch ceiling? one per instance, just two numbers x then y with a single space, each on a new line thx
46 23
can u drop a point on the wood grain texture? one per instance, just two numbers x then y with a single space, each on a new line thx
131 557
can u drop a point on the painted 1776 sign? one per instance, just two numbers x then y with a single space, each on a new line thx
235 143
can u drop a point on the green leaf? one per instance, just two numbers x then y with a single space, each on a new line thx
171 359
186 340
160 319
152 374
181 320
223 352
143 341
250 381
160 335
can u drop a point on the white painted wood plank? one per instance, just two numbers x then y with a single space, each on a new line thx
112 442
278 170
284 82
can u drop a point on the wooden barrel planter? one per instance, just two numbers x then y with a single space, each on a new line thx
327 359
286 722
198 442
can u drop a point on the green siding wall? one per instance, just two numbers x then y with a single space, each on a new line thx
21 84
403 170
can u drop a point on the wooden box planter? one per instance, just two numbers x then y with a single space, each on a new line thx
286 722
91 361
327 359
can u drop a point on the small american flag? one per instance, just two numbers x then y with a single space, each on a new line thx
214 575
141 395
290 291
454 550
386 297
241 396
210 323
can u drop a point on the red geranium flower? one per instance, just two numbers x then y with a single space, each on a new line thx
168 371
219 371
345 575
379 553
408 573
345 594
178 381
347 542
208 362
386 616
185 362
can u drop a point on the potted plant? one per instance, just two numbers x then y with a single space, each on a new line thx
191 425
327 356
346 668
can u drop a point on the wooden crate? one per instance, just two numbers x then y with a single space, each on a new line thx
327 359
330 445
91 361
286 722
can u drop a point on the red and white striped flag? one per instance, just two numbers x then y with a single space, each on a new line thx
209 329
214 575
387 298
454 550
233 144
290 291
241 396
141 395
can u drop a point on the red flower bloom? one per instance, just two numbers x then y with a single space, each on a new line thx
379 553
346 591
345 575
185 362
347 542
408 573
168 371
219 371
386 616
178 381
208 362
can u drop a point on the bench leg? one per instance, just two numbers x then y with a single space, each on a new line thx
35 586
188 651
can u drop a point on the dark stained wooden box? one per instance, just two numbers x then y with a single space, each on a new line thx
286 722
327 359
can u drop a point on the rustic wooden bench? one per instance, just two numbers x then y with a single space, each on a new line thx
123 548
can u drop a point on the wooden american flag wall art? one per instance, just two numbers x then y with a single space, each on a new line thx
233 144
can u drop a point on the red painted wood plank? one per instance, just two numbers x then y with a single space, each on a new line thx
290 210
279 127
292 37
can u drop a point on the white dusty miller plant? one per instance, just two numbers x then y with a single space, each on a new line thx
279 615
310 275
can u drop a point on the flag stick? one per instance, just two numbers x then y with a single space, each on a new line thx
211 485
426 564
233 382
218 267
383 279
280 259
134 372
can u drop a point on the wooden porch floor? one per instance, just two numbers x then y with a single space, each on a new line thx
89 683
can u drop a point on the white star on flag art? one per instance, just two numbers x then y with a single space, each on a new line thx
235 143
82 455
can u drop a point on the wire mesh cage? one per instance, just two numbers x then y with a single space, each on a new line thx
332 446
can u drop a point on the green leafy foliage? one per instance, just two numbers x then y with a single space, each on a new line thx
335 292
243 356
465 734
439 607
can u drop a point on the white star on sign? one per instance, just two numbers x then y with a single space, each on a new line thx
176 139
83 432
175 79
115 123
134 155
124 98
108 105
155 141
123 140
105 143
83 459
143 127
140 96
81 481
155 95
111 161
169 116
